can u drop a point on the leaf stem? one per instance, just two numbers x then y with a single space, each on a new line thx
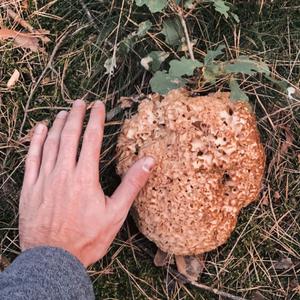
187 37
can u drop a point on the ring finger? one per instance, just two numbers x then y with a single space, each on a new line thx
51 145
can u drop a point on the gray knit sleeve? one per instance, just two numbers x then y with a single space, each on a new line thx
45 273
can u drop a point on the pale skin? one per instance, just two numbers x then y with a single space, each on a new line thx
62 203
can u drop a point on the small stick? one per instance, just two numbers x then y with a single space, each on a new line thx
32 92
187 37
182 279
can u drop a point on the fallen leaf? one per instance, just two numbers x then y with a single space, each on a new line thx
25 4
190 266
21 39
125 102
294 285
284 264
298 158
257 296
287 143
38 32
13 79
265 200
276 195
161 258
4 262
297 289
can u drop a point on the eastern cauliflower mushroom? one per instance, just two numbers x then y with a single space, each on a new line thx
210 165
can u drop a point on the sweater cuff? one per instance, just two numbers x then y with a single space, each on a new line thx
52 272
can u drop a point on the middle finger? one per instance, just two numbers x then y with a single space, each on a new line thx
70 136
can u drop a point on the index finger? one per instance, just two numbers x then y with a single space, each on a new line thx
92 140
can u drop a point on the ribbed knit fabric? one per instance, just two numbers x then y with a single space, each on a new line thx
45 273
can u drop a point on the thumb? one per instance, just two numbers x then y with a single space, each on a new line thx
134 180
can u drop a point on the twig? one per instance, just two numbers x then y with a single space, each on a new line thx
187 37
88 14
32 92
182 279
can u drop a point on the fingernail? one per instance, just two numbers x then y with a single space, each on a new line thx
149 164
78 103
97 103
62 114
39 128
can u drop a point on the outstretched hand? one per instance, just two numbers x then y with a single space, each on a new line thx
62 203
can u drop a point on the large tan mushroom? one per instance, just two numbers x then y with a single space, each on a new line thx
210 165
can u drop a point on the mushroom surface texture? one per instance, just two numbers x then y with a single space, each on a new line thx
209 165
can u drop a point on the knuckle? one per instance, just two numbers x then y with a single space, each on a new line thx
92 134
37 138
51 142
69 133
134 183
32 160
59 176
83 180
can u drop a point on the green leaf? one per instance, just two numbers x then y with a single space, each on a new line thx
127 44
246 66
143 28
213 54
153 5
183 66
221 7
162 82
189 4
283 85
153 60
236 93
211 72
235 16
173 31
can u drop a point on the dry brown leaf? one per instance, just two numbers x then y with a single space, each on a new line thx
13 79
21 39
265 200
4 262
161 258
126 102
288 141
25 5
190 266
297 289
284 264
277 195
40 33
294 285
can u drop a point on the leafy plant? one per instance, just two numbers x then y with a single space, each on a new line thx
153 5
176 35
162 81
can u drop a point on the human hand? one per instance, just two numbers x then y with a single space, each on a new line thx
62 203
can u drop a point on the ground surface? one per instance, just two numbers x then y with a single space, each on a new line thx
262 258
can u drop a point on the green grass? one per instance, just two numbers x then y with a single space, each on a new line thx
265 233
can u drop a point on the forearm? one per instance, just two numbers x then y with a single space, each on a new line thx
45 273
